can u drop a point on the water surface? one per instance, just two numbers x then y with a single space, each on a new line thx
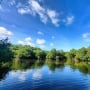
45 76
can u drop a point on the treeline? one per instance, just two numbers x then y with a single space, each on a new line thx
9 51
28 52
82 54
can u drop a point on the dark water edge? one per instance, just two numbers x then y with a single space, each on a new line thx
44 75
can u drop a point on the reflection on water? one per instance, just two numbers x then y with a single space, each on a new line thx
42 75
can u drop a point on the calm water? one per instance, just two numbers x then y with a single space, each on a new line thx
45 76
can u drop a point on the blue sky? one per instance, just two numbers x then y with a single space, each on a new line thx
60 24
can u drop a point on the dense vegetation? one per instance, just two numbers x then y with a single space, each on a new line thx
5 51
9 51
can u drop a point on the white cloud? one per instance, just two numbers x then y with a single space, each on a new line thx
30 43
86 37
34 8
38 9
51 44
40 41
69 20
53 15
21 42
4 32
25 10
40 33
26 41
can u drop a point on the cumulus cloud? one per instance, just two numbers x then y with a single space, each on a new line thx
38 9
4 32
69 20
53 15
40 41
26 41
29 41
45 14
21 42
86 37
34 8
25 10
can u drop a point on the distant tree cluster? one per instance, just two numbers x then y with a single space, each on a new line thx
82 54
28 52
9 51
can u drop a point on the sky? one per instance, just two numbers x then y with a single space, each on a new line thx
60 24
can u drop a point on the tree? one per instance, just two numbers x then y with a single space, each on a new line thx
60 54
71 54
88 54
81 54
5 50
40 54
51 54
25 52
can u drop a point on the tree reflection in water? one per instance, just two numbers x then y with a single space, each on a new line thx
36 64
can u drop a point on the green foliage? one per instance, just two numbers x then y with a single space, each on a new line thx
8 51
81 54
25 52
56 54
5 50
40 54
51 54
88 54
71 54
60 54
28 52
